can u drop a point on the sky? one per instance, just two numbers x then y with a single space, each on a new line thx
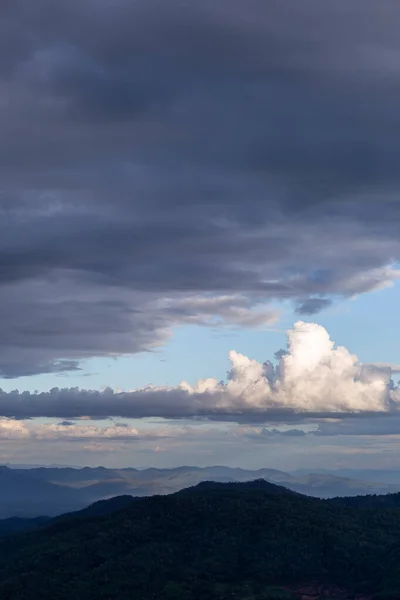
199 233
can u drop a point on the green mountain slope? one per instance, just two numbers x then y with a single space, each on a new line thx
211 541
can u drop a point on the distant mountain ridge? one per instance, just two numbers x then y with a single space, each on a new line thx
388 476
22 494
55 490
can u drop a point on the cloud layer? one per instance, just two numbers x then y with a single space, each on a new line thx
158 156
314 379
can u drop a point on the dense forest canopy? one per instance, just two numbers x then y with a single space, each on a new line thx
250 541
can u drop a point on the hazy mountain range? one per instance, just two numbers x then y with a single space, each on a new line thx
51 491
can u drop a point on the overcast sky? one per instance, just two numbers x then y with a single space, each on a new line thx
199 232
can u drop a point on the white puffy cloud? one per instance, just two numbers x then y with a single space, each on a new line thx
313 378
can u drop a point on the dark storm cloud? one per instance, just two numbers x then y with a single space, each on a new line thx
181 150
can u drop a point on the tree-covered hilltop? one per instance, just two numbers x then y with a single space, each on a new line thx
370 501
250 541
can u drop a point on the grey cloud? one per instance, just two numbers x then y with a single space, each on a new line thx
391 367
370 426
174 403
312 306
12 368
42 320
268 433
157 150
280 353
293 433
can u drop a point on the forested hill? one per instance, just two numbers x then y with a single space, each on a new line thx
249 541
371 501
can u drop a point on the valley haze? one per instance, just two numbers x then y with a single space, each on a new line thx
56 490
